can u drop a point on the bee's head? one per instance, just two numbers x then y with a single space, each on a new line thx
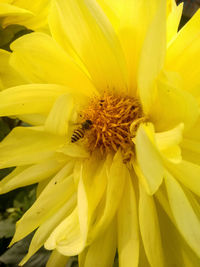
89 122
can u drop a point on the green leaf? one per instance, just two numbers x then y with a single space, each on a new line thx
7 228
4 127
15 254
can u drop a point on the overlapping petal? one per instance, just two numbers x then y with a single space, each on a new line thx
29 99
131 20
8 76
187 221
35 146
57 259
183 54
58 120
23 176
152 171
88 29
95 256
173 20
173 105
128 230
43 232
62 188
66 237
31 14
169 143
153 54
35 57
150 230
116 176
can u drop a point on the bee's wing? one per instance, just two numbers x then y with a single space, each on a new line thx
73 123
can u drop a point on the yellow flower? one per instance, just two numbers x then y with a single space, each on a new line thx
113 100
32 14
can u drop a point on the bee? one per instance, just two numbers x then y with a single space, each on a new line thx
80 131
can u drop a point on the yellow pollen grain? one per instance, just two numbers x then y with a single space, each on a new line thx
111 116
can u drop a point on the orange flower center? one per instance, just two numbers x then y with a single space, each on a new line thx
108 120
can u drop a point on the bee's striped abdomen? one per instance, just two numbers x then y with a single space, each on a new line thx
77 134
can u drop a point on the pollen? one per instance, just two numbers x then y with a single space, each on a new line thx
112 116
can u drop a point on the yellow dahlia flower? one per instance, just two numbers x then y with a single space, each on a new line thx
32 14
113 100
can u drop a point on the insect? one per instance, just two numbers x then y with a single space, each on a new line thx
80 131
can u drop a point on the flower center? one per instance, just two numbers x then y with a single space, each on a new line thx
108 120
110 123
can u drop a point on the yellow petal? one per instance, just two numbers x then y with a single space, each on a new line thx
150 230
83 210
191 150
47 227
169 138
59 116
57 31
57 259
29 99
194 132
41 185
25 145
40 10
29 175
8 76
81 257
176 250
62 188
173 20
128 233
131 20
143 261
168 143
66 237
186 220
74 151
152 57
33 119
91 187
85 27
149 159
13 13
173 105
40 59
188 174
183 53
116 175
180 253
161 196
102 251
31 14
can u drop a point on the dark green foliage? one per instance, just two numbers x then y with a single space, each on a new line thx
7 228
16 253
